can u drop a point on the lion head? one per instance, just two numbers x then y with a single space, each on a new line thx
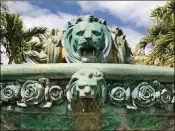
87 39
86 85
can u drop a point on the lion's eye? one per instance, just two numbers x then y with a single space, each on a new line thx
80 33
97 33
81 87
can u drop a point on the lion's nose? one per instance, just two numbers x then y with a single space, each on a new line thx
88 94
87 90
88 36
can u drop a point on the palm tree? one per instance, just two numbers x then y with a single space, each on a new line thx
162 35
18 40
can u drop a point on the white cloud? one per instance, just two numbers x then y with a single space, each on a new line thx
148 48
25 8
136 12
35 16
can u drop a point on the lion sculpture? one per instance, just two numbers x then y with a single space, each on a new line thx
86 90
87 40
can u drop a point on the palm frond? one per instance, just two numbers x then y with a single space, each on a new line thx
18 40
36 31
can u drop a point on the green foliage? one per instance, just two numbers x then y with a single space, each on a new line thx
161 35
17 39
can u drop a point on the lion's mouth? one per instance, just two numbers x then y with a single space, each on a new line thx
87 53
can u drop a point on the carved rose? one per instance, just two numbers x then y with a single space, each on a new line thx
32 92
117 94
56 93
144 95
165 96
10 92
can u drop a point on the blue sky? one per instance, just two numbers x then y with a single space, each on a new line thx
131 16
75 9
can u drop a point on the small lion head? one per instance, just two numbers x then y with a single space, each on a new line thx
87 40
87 84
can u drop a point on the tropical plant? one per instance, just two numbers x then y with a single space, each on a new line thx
161 35
18 39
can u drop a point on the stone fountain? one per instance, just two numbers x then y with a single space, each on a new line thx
87 81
